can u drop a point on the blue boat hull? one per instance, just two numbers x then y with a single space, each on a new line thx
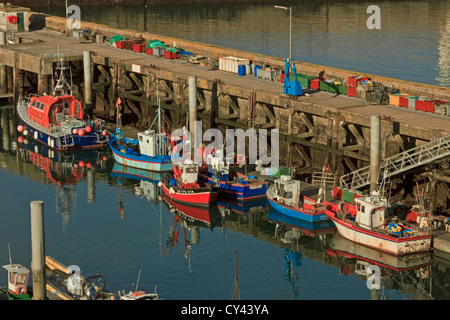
239 191
297 213
65 142
156 163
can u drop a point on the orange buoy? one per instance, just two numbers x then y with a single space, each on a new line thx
81 132
20 128
20 139
88 129
75 131
81 163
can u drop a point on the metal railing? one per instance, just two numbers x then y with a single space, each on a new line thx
426 153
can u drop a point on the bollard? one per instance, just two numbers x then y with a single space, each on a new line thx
38 250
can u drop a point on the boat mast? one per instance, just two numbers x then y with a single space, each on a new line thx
62 86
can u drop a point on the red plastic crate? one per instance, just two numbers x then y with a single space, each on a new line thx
170 55
403 102
315 83
425 106
139 47
149 51
120 44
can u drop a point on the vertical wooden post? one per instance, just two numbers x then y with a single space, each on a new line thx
375 146
38 250
87 66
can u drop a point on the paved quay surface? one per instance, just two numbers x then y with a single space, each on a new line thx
48 41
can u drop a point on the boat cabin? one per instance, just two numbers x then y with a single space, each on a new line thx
187 172
17 278
53 111
288 190
370 212
149 141
218 167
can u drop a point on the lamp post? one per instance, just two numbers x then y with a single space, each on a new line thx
290 28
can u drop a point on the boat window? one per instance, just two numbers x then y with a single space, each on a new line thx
21 279
42 105
34 103
141 138
363 209
78 107
190 170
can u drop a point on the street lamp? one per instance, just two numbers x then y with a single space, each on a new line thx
290 28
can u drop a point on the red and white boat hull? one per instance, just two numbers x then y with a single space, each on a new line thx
196 197
382 242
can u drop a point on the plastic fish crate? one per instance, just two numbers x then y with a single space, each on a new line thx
139 47
315 83
120 44
403 102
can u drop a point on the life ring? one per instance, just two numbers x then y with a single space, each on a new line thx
12 19
240 159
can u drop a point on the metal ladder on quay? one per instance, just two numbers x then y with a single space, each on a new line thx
426 153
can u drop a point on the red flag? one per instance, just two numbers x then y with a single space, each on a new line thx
118 102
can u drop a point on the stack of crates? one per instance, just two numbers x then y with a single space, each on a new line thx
433 106
353 85
394 99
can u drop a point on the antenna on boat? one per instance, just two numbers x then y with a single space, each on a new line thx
9 249
137 283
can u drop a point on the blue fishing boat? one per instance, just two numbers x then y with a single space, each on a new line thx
149 152
232 184
294 198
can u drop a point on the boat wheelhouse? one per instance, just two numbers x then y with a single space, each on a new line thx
295 199
17 282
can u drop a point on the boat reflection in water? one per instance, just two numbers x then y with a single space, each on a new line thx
243 208
144 183
65 169
383 271
190 219
288 228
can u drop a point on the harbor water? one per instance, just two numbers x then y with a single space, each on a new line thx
106 220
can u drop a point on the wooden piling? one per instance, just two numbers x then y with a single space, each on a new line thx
87 81
375 147
38 250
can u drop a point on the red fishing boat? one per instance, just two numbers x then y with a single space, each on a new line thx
58 121
184 186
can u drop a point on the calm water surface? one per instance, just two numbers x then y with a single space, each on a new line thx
109 223
104 221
